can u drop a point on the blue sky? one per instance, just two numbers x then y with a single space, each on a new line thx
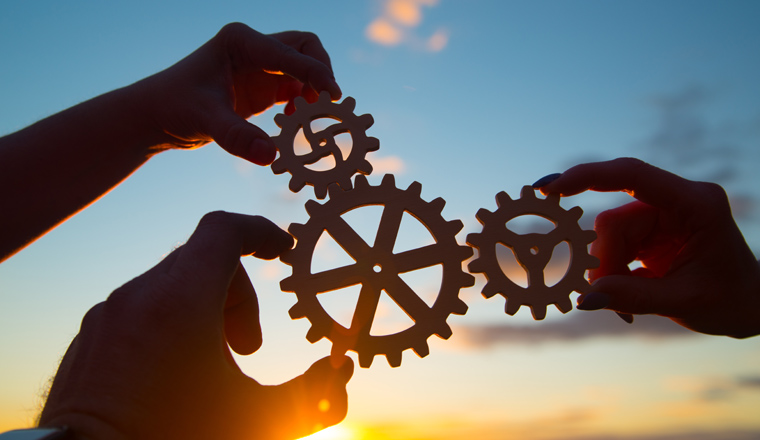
469 99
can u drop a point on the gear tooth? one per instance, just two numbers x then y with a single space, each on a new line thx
314 334
454 226
421 348
564 305
365 359
278 166
490 289
345 185
588 236
365 167
502 198
373 144
300 102
366 120
464 252
512 307
298 310
553 198
476 266
280 119
348 104
394 358
360 181
389 180
468 281
592 262
444 331
575 213
296 185
528 192
437 205
320 192
484 215
333 189
459 307
414 189
473 238
312 207
324 97
538 312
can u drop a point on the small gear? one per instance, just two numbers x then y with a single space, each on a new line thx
533 251
323 144
377 269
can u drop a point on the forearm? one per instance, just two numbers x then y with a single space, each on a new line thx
51 170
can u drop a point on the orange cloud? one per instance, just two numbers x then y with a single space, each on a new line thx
384 32
397 23
387 165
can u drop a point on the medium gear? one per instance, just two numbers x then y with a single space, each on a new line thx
323 144
533 252
377 269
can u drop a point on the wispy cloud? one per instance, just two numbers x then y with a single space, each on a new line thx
386 165
576 327
399 22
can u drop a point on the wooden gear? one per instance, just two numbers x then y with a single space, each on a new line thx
323 144
533 252
377 269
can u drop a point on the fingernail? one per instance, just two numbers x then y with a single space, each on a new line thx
546 180
627 317
593 301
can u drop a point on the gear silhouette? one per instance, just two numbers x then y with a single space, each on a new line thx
377 269
323 144
533 252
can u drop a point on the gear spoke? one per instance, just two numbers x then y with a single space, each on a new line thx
387 231
366 307
419 258
334 279
348 239
405 297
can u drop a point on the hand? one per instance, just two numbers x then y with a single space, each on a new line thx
697 268
238 73
152 361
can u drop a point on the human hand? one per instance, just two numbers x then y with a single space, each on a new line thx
238 73
697 268
153 362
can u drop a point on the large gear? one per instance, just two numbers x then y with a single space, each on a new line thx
323 144
533 251
377 269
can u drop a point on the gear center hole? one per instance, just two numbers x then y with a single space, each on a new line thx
534 250
377 268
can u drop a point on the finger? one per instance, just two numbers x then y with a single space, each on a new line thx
306 43
647 183
315 400
620 236
241 138
241 315
641 295
211 256
249 48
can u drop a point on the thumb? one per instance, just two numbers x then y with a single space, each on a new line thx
316 399
630 294
241 138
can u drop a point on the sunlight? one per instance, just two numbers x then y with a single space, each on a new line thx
337 432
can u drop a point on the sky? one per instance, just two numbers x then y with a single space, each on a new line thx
469 98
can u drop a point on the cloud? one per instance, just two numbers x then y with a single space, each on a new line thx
576 327
387 165
399 24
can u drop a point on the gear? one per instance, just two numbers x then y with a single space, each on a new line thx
323 144
533 252
377 269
